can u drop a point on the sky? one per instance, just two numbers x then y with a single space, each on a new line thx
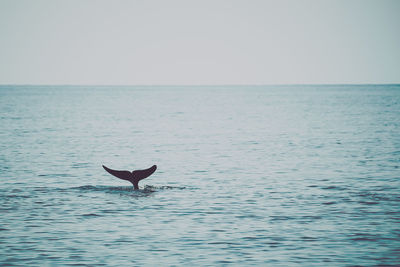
204 42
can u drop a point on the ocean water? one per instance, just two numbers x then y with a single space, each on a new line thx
247 175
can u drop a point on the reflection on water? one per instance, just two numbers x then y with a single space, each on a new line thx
278 176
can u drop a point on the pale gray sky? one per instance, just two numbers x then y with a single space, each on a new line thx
199 42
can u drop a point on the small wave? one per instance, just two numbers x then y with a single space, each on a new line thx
329 203
165 187
91 215
333 187
16 196
281 218
85 187
100 188
56 175
368 202
117 190
122 190
125 189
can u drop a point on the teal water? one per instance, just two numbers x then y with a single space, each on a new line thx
247 175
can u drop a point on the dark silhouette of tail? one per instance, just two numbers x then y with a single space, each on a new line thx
133 177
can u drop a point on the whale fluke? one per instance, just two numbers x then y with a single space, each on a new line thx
133 177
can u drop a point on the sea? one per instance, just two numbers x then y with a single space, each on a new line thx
277 175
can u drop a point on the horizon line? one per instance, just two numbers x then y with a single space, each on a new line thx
181 85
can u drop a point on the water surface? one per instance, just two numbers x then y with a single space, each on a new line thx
247 175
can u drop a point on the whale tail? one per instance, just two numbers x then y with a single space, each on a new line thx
133 177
